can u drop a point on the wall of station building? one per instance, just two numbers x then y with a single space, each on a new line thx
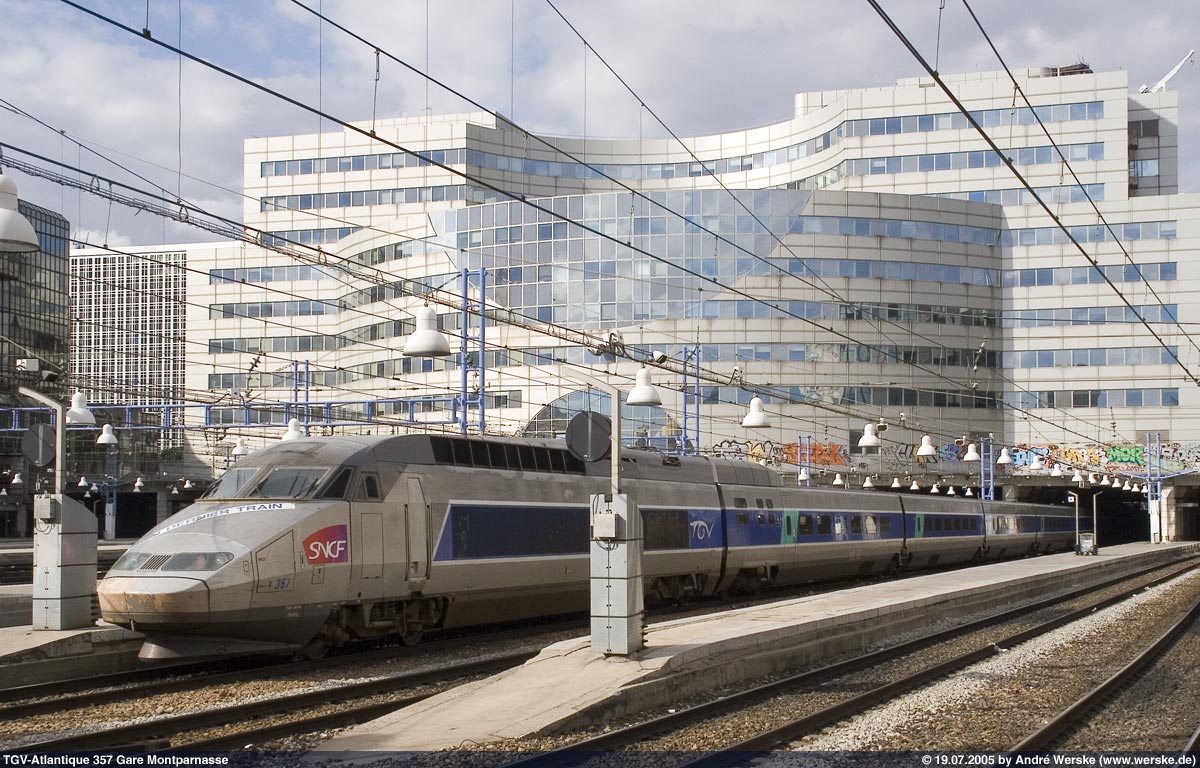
932 303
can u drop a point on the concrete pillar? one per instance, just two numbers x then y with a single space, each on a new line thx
616 575
64 563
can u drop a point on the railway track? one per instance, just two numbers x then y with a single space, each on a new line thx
714 733
344 705
1070 728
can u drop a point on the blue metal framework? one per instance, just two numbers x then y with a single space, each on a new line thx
691 401
987 468
471 353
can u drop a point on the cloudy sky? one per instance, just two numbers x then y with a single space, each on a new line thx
701 65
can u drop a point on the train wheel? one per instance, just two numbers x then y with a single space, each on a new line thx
412 638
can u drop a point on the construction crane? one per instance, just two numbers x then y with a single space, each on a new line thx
1161 85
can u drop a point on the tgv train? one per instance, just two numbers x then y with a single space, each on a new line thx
319 541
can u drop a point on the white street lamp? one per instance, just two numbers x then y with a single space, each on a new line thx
239 448
1005 457
804 474
83 482
869 437
756 418
915 486
426 340
293 431
927 448
106 436
1038 462
950 491
1077 477
972 453
16 479
16 233
1057 471
837 479
867 483
1105 481
895 483
935 488
138 485
643 392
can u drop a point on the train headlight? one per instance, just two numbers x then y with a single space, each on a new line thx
197 561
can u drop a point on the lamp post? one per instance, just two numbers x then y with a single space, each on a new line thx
64 542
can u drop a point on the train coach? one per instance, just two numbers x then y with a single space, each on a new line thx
317 542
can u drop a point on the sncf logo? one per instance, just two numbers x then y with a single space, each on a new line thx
328 545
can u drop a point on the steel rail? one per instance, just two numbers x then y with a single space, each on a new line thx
154 731
789 731
1039 739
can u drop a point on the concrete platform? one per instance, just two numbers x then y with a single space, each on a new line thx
567 685
16 605
28 656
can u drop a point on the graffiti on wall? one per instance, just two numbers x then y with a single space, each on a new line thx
1126 458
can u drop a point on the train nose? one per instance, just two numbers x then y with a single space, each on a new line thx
154 603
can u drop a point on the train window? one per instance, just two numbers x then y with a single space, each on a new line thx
443 450
528 463
742 518
368 488
869 525
760 518
287 483
824 524
804 526
935 523
770 504
496 456
230 483
462 453
772 520
856 524
758 503
543 458
336 489
664 529
789 526
885 525
739 502
480 453
512 457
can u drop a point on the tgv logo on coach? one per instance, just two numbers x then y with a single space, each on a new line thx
327 545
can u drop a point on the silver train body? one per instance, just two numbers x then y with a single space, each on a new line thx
321 541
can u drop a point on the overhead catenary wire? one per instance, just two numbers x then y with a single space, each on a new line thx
643 107
1078 182
1025 183
501 191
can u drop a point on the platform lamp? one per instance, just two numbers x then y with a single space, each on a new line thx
293 431
870 439
16 233
971 456
108 439
756 417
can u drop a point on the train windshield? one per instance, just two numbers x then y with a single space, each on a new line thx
286 483
230 483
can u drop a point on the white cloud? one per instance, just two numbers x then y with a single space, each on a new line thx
702 66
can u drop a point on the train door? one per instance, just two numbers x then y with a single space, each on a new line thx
416 521
274 569
366 538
